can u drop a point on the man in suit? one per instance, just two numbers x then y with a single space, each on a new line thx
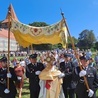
67 68
4 91
92 78
32 72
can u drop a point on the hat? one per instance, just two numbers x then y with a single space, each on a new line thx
67 55
33 56
3 59
85 58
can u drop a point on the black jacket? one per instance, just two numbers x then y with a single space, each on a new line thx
67 69
33 78
3 83
92 79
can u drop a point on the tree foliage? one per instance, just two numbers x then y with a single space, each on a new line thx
86 39
42 47
96 45
59 45
38 24
75 41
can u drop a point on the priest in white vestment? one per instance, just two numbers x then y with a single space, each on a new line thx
50 81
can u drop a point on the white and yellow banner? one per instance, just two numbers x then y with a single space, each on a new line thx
27 35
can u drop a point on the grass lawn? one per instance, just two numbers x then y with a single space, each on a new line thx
25 92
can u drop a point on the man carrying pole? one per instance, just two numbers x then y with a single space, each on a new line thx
92 78
6 92
7 74
90 91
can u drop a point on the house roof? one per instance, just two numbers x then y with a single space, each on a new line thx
4 34
12 12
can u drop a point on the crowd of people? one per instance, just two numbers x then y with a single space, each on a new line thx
51 74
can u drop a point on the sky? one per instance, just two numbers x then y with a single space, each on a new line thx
79 14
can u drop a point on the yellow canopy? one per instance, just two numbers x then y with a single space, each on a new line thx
27 35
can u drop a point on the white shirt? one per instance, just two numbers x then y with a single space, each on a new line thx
22 63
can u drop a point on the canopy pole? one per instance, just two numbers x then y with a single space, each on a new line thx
32 48
73 46
9 26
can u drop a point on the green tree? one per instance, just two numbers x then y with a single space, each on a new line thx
75 41
96 45
86 39
38 24
42 47
59 45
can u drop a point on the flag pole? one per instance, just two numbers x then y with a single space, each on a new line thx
9 25
74 48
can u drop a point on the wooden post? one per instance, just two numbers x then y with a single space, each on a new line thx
73 46
9 25
32 48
